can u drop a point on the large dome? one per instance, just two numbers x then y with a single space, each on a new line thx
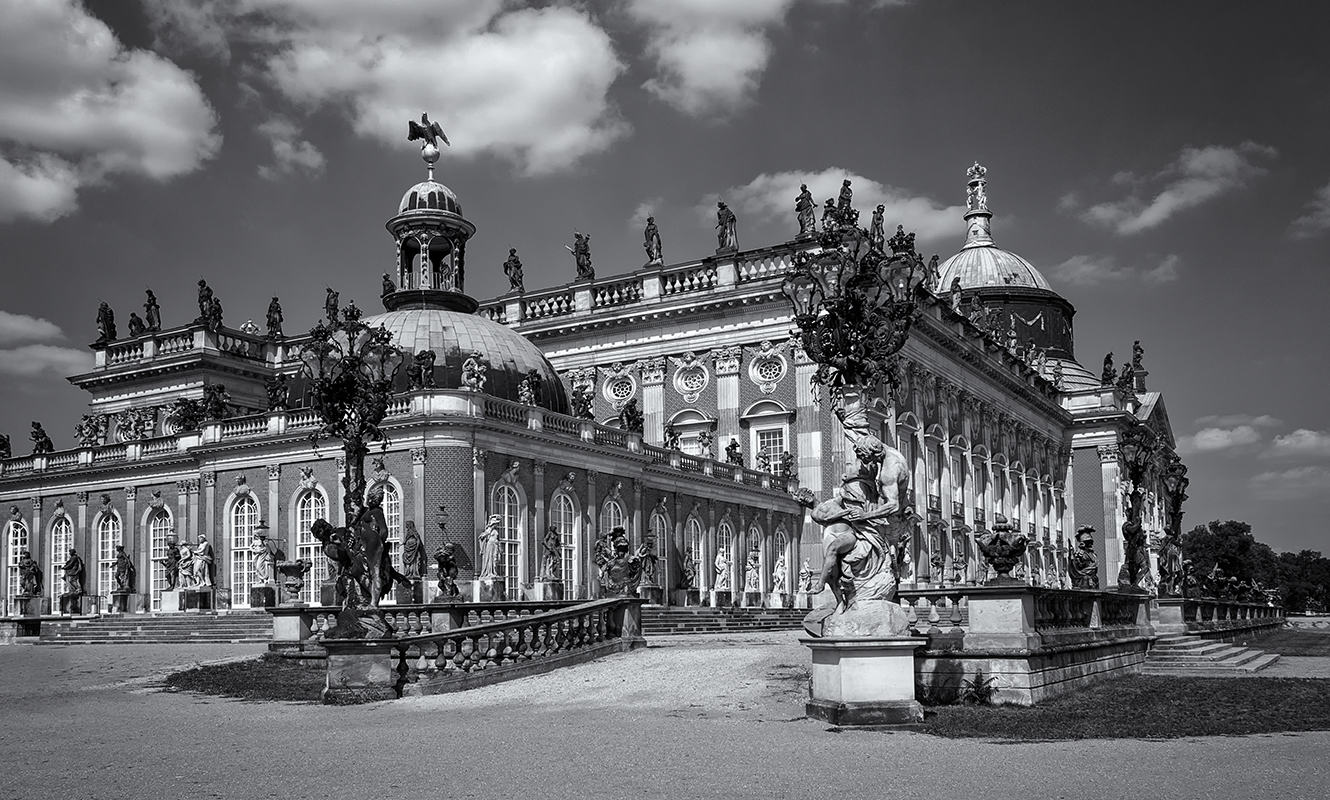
454 335
990 266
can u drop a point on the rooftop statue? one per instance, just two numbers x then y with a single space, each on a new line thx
1137 352
152 314
331 305
726 225
420 374
976 199
428 132
279 393
877 235
846 200
250 328
954 295
581 251
631 416
805 208
41 443
733 453
6 450
473 373
105 323
513 269
1109 375
651 243
205 303
275 319
136 326
829 220
580 403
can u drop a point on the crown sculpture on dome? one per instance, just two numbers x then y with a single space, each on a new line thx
429 133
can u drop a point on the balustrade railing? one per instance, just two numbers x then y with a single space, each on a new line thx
399 406
303 418
506 411
550 306
483 653
497 312
161 445
687 279
124 353
757 268
616 293
611 437
110 452
16 465
415 620
244 426
241 346
61 460
175 343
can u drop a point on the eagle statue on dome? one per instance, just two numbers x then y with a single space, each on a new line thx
428 131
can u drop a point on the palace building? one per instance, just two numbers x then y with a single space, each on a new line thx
995 412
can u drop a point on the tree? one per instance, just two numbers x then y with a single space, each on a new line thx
1232 546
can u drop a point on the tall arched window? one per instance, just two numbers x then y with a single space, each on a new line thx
109 534
244 519
612 516
508 506
159 528
17 534
311 505
660 531
392 513
62 538
693 544
563 515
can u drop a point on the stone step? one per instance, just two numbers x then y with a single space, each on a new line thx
1211 669
1213 654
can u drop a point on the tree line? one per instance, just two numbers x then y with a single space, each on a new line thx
1302 579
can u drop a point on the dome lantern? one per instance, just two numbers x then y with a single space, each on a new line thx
978 218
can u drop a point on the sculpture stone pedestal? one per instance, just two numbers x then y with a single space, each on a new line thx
752 599
411 594
490 590
128 602
721 598
547 590
199 599
687 597
90 605
863 680
778 600
1167 614
71 604
264 596
803 600
29 605
173 600
654 595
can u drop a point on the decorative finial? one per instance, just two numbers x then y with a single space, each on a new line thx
977 215
976 200
430 133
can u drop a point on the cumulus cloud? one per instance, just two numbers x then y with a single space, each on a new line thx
34 359
771 197
196 24
1232 420
1096 270
1317 218
1198 175
644 209
1301 442
291 154
709 55
527 84
1232 432
77 107
15 328
1299 483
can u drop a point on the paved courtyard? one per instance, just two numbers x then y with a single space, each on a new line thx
715 716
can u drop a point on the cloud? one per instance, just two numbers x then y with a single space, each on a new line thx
1232 420
1198 175
1100 269
33 359
196 24
644 209
291 154
771 197
1299 483
77 107
1302 442
709 55
1315 221
527 84
1214 439
15 328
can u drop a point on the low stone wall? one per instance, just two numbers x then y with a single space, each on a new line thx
1221 620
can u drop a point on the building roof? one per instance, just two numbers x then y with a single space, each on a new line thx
980 266
430 194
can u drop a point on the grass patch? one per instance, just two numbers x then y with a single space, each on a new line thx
269 677
1148 707
1294 642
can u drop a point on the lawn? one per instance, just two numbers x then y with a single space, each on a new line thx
269 677
1293 642
1148 707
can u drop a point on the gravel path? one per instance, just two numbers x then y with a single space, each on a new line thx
692 717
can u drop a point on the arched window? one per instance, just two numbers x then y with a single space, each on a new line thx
62 539
612 516
311 505
563 515
392 513
17 534
244 519
108 536
660 530
693 544
508 505
159 528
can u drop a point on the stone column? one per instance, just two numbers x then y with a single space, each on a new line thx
274 503
1110 558
592 533
653 399
540 516
479 515
808 448
339 491
37 543
87 546
419 456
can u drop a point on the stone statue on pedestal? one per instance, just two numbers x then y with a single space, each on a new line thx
489 549
734 455
122 574
877 234
651 243
722 567
136 326
805 578
413 552
753 572
41 443
618 568
203 561
549 555
473 373
513 269
279 393
274 319
105 323
780 581
185 569
689 571
1170 566
152 313
29 575
1082 563
631 416
581 251
446 558
727 234
72 570
265 555
805 208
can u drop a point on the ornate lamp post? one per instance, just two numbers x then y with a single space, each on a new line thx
1138 447
350 368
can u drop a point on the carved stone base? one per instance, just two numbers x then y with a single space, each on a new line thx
866 618
410 594
441 597
778 600
71 604
25 605
803 600
173 600
654 595
199 599
752 599
262 596
128 602
722 598
687 597
547 590
490 590
863 681
90 605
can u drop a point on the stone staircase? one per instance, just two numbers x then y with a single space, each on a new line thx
674 620
1182 654
186 627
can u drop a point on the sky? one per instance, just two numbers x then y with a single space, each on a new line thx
1163 164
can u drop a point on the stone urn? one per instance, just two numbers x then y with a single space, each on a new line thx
1003 548
293 579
